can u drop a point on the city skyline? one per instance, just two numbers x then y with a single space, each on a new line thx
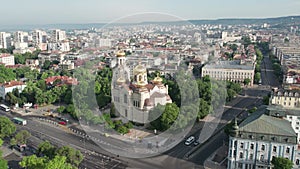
92 11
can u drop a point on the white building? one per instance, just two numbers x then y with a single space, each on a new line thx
7 59
66 65
258 139
39 37
5 41
58 35
230 70
103 42
10 86
21 36
134 98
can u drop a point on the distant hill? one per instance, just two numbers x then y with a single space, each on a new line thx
287 20
279 20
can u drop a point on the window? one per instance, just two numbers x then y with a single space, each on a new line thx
274 149
126 113
287 150
125 98
242 145
241 155
251 157
262 158
251 146
263 147
297 162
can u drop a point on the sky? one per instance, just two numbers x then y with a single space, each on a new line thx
17 12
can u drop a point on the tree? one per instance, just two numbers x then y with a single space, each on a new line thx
13 142
252 110
46 149
247 81
19 59
58 162
22 136
7 127
204 109
257 77
61 109
47 65
122 130
282 163
166 119
266 100
33 162
6 74
3 163
73 156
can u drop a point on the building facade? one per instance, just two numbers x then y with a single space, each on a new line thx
258 139
10 86
134 97
285 98
7 59
229 70
5 40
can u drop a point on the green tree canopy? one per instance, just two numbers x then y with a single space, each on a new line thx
282 163
169 114
46 149
6 74
73 156
22 137
3 163
7 127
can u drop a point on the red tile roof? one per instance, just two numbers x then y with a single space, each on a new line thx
63 80
11 84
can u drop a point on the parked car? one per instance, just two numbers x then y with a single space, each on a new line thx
189 140
62 123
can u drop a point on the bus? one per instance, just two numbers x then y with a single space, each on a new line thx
20 121
4 108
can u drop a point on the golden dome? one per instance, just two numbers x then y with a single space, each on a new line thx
157 79
121 54
139 69
141 84
121 81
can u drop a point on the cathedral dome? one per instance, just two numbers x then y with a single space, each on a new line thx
121 81
139 69
157 80
120 54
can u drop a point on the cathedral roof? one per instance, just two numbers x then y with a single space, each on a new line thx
121 54
139 69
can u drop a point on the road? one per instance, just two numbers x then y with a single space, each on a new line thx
267 73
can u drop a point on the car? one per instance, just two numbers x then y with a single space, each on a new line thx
196 143
189 140
62 123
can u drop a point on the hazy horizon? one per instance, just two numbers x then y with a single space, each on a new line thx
41 12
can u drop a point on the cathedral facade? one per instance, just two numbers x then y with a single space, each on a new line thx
134 97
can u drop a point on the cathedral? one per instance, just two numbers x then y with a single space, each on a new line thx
134 96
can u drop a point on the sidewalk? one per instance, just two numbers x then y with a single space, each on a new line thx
218 160
36 112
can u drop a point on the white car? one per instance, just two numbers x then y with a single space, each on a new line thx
189 140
